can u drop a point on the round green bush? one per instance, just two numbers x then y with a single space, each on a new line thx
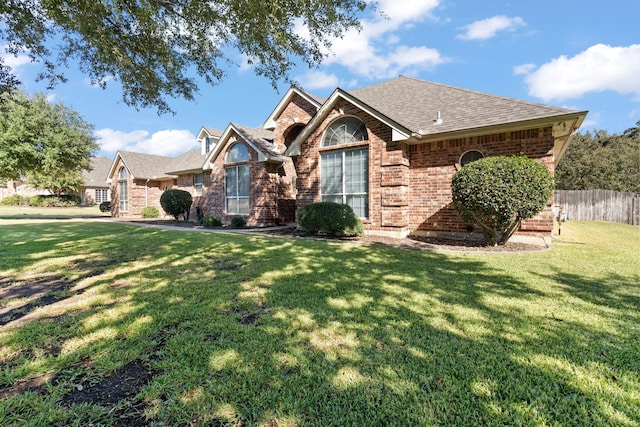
238 221
150 212
498 193
105 206
13 200
333 219
211 221
177 203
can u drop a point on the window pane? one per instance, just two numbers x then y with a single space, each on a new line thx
356 171
358 204
231 178
243 205
243 180
237 153
335 199
232 205
331 173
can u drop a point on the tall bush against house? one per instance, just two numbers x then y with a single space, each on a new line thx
498 193
177 203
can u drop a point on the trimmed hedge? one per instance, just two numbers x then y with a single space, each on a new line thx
150 212
211 221
46 201
238 221
177 203
333 219
498 193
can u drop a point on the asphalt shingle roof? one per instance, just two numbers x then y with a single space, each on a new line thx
97 176
146 166
189 161
261 139
414 104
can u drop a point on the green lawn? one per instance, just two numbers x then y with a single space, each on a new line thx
236 329
23 211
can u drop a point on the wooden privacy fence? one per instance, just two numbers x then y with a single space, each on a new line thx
599 205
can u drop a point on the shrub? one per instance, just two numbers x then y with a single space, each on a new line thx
330 218
498 193
150 212
238 221
13 200
49 201
105 206
177 203
211 221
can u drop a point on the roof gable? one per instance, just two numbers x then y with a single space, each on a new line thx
142 166
261 140
270 123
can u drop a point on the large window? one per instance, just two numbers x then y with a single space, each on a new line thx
197 184
102 195
344 179
123 191
237 180
344 175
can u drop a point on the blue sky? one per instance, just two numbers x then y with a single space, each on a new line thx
574 54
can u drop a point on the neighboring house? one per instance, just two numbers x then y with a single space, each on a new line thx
388 150
137 181
95 188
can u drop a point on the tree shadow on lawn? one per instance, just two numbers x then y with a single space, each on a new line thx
261 330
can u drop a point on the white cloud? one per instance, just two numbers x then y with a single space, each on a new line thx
15 62
488 28
164 143
375 52
318 80
599 68
523 69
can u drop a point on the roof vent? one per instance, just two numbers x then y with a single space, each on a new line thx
438 120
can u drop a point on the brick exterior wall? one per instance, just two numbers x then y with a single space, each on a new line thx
410 185
141 193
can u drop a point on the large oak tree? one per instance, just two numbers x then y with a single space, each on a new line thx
49 144
157 48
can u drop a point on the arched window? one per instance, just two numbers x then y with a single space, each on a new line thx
344 174
237 153
344 131
470 156
236 174
123 190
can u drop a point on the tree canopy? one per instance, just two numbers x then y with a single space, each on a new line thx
154 47
47 143
602 161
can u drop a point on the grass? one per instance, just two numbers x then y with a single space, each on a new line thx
23 211
258 330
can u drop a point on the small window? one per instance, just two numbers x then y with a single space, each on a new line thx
123 173
470 156
197 183
207 144
344 131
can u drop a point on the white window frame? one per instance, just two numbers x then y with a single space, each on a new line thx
237 165
197 185
344 195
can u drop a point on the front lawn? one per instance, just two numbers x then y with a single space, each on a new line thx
113 324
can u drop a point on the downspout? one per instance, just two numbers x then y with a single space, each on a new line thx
146 193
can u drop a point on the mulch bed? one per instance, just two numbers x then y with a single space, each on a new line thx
411 242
